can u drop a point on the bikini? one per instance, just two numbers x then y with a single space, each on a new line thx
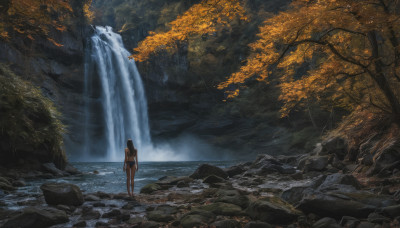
131 163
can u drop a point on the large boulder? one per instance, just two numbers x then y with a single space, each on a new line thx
212 179
206 170
272 210
234 170
334 205
39 217
61 193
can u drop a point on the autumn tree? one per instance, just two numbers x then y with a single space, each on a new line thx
203 18
32 18
351 48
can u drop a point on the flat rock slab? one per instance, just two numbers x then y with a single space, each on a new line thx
60 193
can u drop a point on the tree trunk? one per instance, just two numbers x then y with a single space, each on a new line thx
380 78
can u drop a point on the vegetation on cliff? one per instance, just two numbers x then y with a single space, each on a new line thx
325 55
30 124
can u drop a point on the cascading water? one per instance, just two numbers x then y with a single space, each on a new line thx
116 106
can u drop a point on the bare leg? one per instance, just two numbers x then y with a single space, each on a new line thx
133 170
128 178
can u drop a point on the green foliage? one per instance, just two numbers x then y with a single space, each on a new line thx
29 122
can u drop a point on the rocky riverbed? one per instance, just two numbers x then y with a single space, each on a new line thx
314 190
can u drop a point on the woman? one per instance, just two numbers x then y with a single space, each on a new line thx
130 165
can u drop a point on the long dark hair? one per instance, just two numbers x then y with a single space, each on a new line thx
131 148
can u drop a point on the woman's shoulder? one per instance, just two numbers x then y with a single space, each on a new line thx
126 149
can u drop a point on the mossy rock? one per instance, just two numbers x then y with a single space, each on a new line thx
150 188
163 213
232 197
197 219
273 210
31 126
221 208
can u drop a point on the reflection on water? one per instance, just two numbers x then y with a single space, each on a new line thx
109 176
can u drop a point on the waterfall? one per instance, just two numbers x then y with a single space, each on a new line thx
115 101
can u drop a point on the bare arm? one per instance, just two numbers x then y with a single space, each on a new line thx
137 162
125 162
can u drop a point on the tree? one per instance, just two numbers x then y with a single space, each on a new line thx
203 18
351 46
32 17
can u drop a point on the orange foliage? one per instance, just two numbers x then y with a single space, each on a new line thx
201 18
33 17
351 47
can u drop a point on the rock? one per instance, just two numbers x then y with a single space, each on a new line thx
205 170
80 224
338 178
333 205
232 197
39 217
295 194
103 195
173 180
272 210
258 225
212 179
220 208
326 223
366 225
150 224
4 180
51 168
91 198
135 220
197 218
392 211
234 170
63 208
150 188
335 145
350 222
286 169
162 213
19 183
230 223
182 184
101 224
315 163
88 213
72 170
112 214
100 204
6 187
60 193
378 218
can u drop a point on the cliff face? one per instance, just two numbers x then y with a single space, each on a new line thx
57 71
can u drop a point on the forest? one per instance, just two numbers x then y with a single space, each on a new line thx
244 113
